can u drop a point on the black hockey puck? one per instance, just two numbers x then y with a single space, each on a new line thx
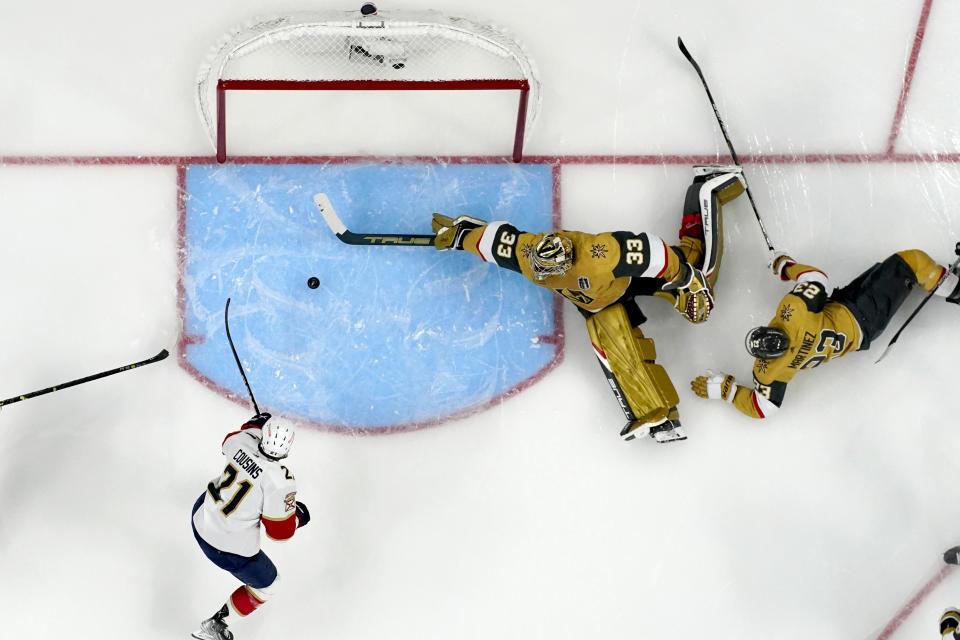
313 282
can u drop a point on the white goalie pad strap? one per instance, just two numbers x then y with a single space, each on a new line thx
816 276
485 246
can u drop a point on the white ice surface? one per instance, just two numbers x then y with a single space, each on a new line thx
532 519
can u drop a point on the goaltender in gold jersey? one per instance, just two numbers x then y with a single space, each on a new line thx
813 326
604 273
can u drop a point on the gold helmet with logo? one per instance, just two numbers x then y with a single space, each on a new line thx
553 256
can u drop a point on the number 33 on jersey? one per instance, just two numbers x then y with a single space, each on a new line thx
603 266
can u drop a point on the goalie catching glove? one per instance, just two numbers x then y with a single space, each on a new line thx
694 299
452 231
721 386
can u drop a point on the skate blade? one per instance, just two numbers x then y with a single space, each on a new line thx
627 434
669 435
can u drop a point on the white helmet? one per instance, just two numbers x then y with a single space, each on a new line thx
275 440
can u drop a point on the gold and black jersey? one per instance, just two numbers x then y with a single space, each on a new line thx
604 264
818 331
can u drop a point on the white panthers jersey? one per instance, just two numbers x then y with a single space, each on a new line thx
251 489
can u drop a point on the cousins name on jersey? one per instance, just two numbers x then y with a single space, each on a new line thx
247 463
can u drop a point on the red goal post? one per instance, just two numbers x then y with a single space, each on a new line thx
345 51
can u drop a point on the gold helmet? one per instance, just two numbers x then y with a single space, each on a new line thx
552 256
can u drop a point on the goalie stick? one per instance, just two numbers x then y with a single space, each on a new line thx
226 323
726 137
953 268
103 374
367 239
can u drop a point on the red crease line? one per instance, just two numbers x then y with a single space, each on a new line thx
908 76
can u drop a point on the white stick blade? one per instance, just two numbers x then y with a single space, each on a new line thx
329 213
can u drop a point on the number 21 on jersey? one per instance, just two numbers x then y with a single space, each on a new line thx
226 479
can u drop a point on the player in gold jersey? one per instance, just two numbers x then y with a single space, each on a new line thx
812 327
602 274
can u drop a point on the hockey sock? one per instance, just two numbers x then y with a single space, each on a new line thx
244 601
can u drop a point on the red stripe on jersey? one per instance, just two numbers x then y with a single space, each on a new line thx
243 601
666 258
477 246
756 405
280 529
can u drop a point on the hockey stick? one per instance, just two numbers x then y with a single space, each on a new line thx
954 267
160 356
226 323
726 137
368 239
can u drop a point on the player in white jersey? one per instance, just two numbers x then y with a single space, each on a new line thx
253 490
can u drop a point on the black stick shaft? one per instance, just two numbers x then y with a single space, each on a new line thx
387 239
726 137
103 374
226 323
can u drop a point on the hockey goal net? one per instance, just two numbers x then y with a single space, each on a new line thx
348 51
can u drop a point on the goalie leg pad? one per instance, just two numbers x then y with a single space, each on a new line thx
628 358
714 193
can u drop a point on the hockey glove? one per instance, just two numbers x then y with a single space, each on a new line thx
303 515
721 386
950 623
452 231
694 299
259 420
779 263
952 555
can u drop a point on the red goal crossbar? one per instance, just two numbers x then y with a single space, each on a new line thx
370 85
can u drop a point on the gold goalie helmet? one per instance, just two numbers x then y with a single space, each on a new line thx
552 256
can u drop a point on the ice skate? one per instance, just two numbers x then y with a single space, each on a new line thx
710 170
213 629
633 429
949 284
669 431
666 430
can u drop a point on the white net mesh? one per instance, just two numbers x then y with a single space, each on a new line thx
344 45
